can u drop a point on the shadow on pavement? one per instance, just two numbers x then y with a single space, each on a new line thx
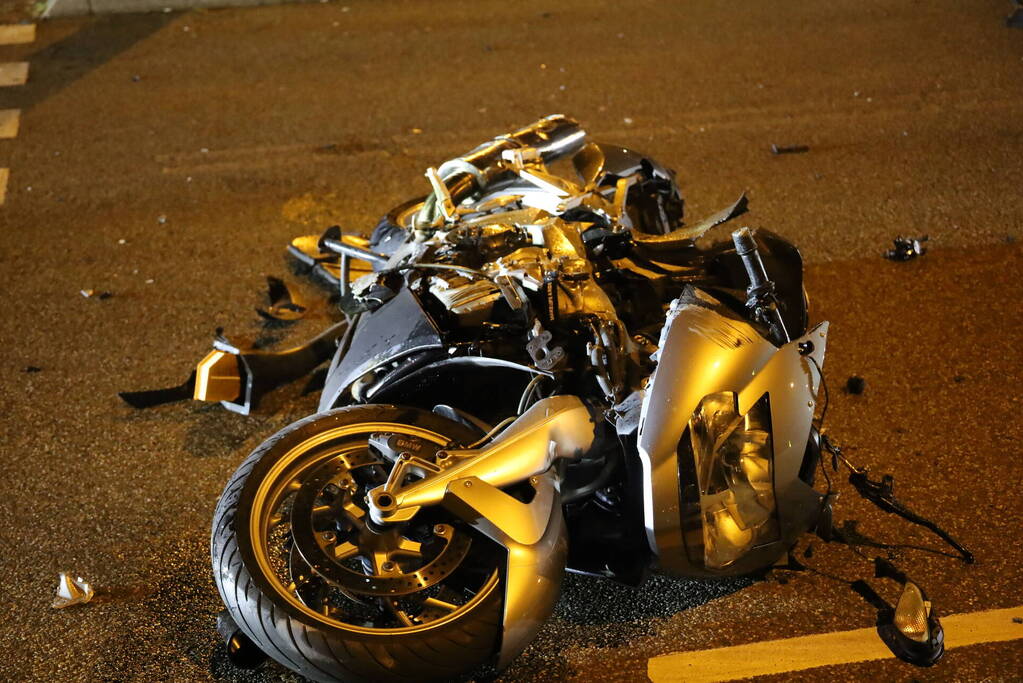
60 64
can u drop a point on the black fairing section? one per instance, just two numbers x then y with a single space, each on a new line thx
389 235
396 330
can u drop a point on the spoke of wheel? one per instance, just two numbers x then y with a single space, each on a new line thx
402 616
409 548
379 557
354 512
440 604
345 550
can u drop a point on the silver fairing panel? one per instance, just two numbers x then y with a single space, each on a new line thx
703 351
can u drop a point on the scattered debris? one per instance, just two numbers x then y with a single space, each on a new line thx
627 121
789 149
855 385
959 379
284 305
72 591
1017 620
32 368
136 78
161 219
93 294
907 248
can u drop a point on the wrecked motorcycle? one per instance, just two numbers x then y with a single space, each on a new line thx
541 368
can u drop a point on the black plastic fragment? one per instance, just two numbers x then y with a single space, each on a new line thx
32 368
907 248
789 149
284 305
855 385
157 397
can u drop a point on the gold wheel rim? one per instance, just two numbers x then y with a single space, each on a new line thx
287 469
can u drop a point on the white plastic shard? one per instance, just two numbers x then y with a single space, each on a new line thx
72 590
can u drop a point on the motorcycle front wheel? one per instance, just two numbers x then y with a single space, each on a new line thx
317 586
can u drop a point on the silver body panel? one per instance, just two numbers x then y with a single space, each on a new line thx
703 352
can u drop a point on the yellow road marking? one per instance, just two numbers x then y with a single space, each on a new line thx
9 119
13 73
15 34
824 649
4 174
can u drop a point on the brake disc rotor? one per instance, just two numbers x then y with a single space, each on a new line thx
331 533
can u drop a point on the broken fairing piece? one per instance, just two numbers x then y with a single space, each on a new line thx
72 590
789 149
284 306
907 248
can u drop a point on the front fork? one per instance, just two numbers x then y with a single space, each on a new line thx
468 483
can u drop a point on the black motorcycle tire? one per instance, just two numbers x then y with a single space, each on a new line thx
320 652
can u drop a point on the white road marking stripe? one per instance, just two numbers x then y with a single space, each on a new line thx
4 174
824 649
13 73
9 120
15 34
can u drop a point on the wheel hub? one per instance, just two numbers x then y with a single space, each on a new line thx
336 539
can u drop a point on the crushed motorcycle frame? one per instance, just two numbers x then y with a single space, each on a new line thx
542 366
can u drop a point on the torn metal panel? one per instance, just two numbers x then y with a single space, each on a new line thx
680 237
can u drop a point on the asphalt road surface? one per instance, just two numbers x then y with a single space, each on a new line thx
169 158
